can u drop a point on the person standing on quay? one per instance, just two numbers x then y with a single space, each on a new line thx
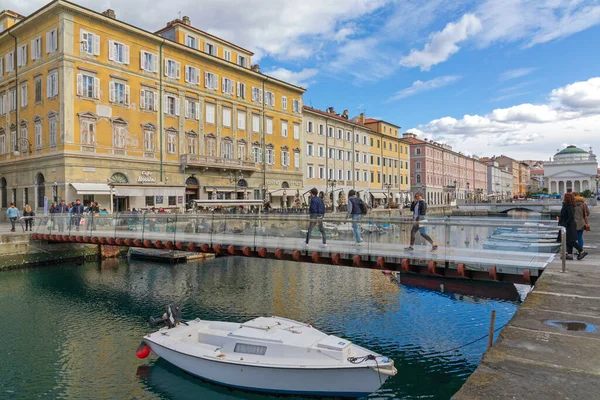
77 213
355 211
63 210
581 217
12 213
419 210
567 220
317 212
28 215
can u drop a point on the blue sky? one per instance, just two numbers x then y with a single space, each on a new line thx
517 77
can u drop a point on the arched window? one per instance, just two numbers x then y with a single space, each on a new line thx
41 190
285 185
4 189
192 181
242 183
119 177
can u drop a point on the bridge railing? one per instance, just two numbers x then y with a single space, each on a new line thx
477 241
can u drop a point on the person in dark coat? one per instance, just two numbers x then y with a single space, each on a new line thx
317 212
567 220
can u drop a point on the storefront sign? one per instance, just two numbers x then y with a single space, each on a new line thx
146 177
277 183
179 199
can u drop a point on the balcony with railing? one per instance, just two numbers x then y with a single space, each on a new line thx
195 160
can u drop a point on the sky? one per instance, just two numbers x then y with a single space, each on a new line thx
489 77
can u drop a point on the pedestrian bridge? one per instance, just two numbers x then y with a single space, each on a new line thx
541 206
465 251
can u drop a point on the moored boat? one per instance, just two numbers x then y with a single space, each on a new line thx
271 354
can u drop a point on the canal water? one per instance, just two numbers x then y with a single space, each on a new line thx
71 331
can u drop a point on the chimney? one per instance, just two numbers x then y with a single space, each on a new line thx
186 20
361 118
255 68
345 114
110 13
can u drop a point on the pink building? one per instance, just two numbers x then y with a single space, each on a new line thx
443 175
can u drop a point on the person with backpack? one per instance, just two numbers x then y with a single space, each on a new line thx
317 212
419 210
356 209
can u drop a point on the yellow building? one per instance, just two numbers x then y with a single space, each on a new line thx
92 106
389 162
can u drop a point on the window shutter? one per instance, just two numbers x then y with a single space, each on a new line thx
197 80
166 65
111 90
187 109
223 85
177 70
197 116
79 85
83 39
260 95
54 39
33 51
48 44
96 45
165 104
238 89
177 105
55 84
127 94
142 58
187 73
48 86
19 57
1 64
155 101
125 54
206 80
142 99
111 50
97 88
154 63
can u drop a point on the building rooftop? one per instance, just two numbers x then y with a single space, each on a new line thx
571 150
335 116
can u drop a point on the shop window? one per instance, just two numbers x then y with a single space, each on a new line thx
172 200
149 201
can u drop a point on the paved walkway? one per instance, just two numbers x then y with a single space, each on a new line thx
532 360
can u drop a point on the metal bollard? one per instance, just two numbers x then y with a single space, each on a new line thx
563 248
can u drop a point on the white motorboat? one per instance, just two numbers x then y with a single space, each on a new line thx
271 354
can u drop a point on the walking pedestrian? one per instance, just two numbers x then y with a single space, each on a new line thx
28 215
92 214
419 210
63 213
12 213
567 220
581 217
317 212
356 209
77 213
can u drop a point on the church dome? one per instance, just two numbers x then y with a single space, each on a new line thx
573 153
571 150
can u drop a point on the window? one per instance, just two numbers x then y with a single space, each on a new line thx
3 101
10 61
227 86
90 43
284 104
296 107
51 41
241 151
418 151
227 117
149 201
37 84
366 176
210 81
242 61
192 75
171 105
148 61
192 143
331 153
210 113
119 136
296 159
118 52
309 127
52 85
88 86
418 166
22 56
285 158
340 134
119 93
2 143
321 129
357 178
227 55
269 129
192 110
257 95
296 131
211 147
321 172
255 123
365 140
241 90
38 135
348 156
171 143
172 68
172 200
88 132
191 41
210 49
52 131
36 48
149 140
349 175
148 100
241 118
23 131
321 151
310 149
256 155
418 178
269 98
270 157
330 132
365 159
24 95
330 174
284 129
340 155
310 172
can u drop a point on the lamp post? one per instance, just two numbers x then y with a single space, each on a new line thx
455 190
468 194
55 192
388 186
333 184
235 177
23 145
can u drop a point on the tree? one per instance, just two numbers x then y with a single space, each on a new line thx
586 193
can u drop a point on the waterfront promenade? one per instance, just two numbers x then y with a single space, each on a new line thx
533 360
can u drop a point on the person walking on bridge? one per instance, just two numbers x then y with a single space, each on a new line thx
419 209
317 212
567 220
356 209
581 217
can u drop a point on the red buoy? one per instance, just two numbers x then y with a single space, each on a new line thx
143 350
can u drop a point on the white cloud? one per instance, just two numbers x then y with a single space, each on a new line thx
529 130
301 78
443 44
420 86
515 73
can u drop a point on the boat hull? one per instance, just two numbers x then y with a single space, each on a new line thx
342 382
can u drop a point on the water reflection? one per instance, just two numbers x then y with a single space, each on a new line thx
78 327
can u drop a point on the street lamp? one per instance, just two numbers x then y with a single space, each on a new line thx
388 186
333 184
55 192
468 194
235 177
23 145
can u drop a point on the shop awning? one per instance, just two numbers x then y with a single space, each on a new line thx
91 188
379 195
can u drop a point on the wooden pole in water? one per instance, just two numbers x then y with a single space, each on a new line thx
491 336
